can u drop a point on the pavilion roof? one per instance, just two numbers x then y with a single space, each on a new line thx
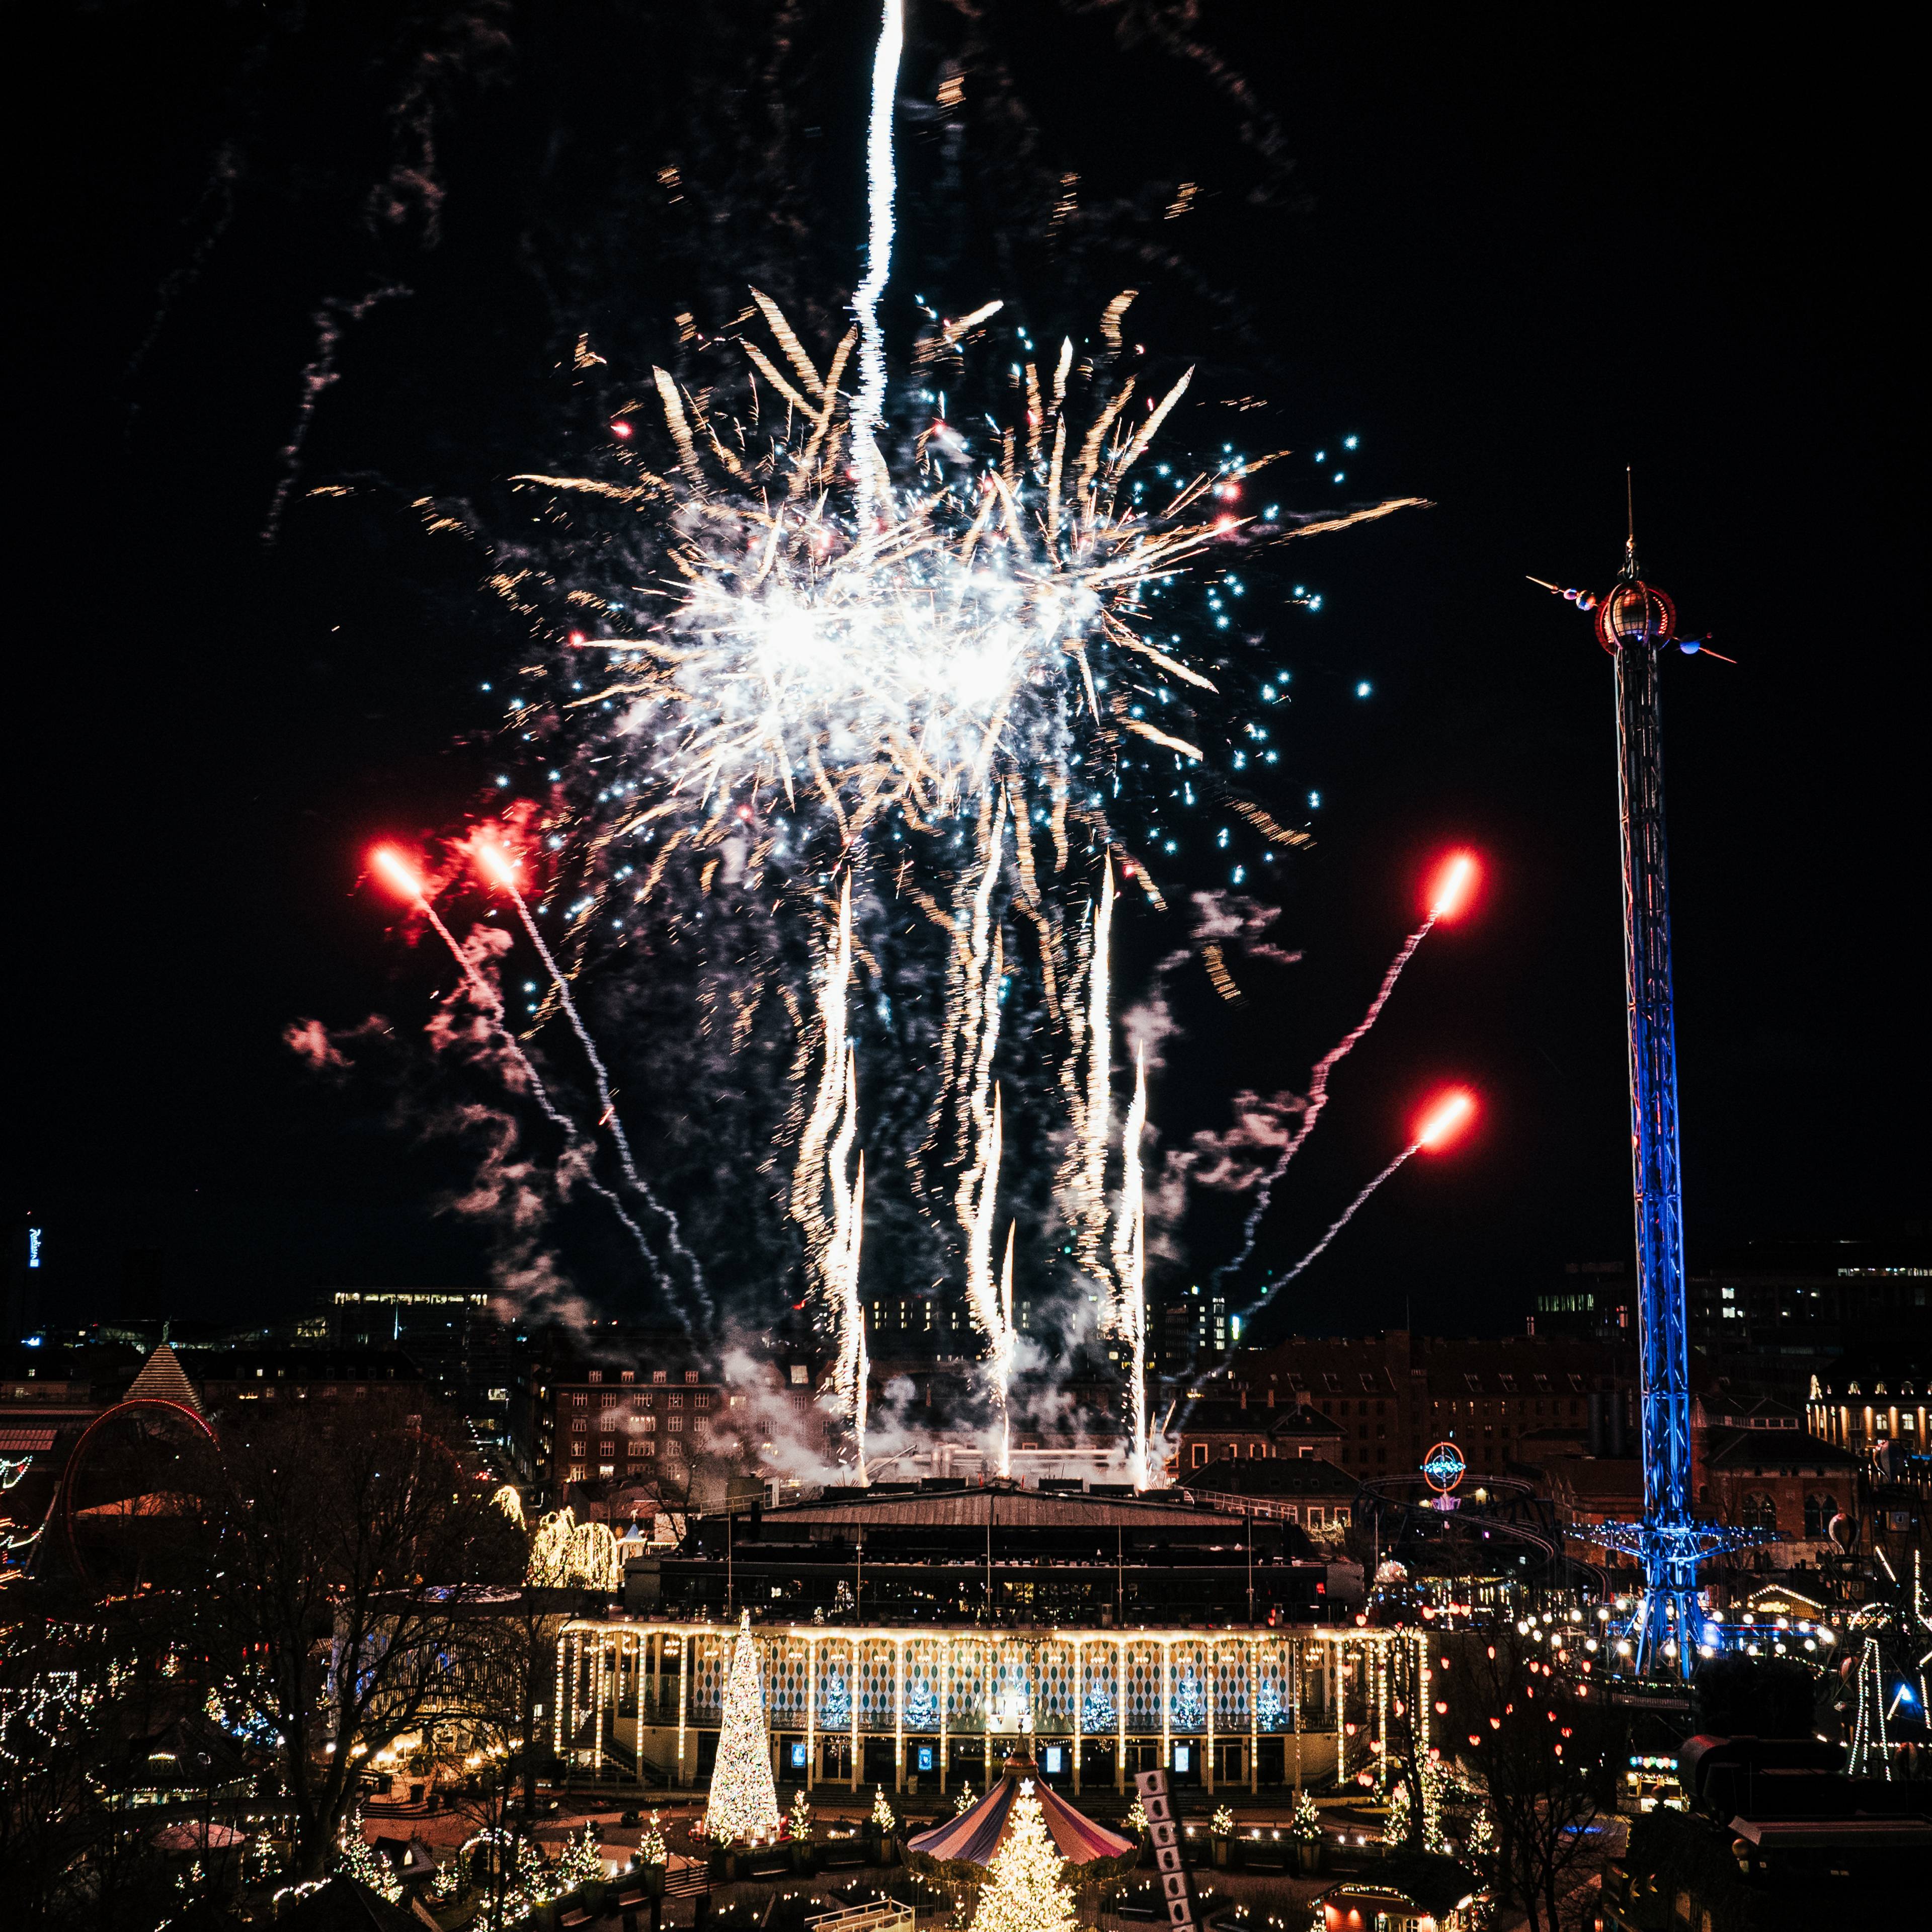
978 1833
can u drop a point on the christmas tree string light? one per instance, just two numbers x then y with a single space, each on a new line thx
1027 1890
744 1800
362 1864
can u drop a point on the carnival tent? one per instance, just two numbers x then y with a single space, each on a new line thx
974 1837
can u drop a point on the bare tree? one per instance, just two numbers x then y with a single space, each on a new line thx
343 1529
1544 1748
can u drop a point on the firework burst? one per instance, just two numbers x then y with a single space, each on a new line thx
771 661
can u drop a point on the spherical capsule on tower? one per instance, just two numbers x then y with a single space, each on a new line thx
1633 612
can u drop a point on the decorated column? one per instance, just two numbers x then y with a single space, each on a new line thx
811 1712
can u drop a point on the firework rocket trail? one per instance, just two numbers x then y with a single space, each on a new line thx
869 405
490 1001
1280 1281
1129 1314
1317 1098
502 867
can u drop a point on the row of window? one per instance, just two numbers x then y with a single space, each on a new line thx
630 1376
640 1425
1760 1512
610 1398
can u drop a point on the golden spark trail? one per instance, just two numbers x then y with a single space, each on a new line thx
1007 1345
881 183
1087 1163
1129 1310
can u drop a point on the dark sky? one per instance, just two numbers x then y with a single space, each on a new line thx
1512 257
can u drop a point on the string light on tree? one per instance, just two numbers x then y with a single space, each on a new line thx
1189 1709
922 1707
582 1862
836 1712
362 1864
1027 1890
744 1800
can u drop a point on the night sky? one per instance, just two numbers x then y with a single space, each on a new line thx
1510 262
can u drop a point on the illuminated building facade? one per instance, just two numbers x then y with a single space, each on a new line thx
923 1707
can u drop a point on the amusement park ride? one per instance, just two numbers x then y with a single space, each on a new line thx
1637 623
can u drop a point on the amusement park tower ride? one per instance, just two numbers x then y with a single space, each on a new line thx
1637 623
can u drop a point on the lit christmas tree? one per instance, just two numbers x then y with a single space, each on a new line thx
360 1863
1188 1708
582 1861
835 1713
963 1803
922 1707
1268 1704
882 1813
744 1801
1306 1824
1025 1892
1096 1714
1395 1827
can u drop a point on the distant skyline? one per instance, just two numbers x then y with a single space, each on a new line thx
1505 292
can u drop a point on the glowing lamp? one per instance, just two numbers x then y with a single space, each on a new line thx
1447 1117
1635 613
1452 884
395 870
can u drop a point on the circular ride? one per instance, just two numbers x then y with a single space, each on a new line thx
129 1491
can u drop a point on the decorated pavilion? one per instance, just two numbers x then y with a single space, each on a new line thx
964 1846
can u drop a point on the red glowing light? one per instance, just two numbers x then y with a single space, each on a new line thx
576 638
1448 1115
1454 884
497 863
395 869
1224 524
621 430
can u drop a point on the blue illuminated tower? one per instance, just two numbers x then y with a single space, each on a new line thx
1636 623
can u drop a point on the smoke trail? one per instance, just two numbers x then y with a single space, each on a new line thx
501 866
1317 1098
870 403
329 321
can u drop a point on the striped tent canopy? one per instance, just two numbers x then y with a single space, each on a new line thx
974 1837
